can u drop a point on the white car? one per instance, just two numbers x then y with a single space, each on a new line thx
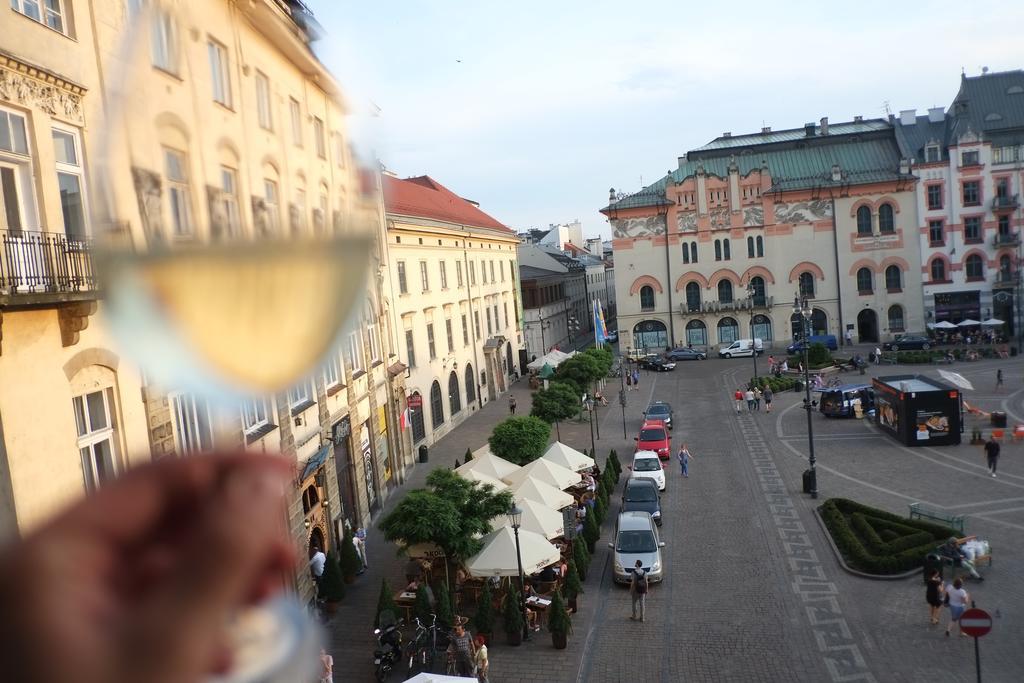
647 465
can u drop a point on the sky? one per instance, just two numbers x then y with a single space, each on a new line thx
536 109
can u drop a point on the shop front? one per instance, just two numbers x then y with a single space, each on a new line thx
917 410
956 306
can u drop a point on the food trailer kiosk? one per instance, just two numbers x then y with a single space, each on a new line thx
842 401
917 410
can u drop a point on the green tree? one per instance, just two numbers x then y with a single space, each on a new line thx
332 586
604 359
581 556
483 621
445 608
558 402
350 562
558 618
601 510
422 607
818 355
469 455
520 439
573 585
385 603
512 613
579 371
591 530
456 464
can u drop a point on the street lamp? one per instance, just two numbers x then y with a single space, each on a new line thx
751 292
515 518
590 409
802 309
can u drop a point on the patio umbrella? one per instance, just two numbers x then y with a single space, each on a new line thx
956 379
498 557
546 494
547 472
537 517
427 677
968 323
992 322
944 325
490 464
560 454
483 478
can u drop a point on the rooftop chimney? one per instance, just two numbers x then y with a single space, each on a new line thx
858 119
809 130
904 166
611 195
824 125
837 173
936 114
766 130
908 117
726 134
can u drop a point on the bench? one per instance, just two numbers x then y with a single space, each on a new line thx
918 511
977 561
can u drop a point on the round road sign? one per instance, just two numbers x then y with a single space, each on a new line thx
975 622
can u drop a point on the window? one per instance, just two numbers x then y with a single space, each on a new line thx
270 200
750 247
935 196
760 246
458 273
472 273
454 395
483 272
465 331
431 346
371 334
410 348
504 306
693 252
476 323
444 275
725 291
692 296
264 113
229 200
896 318
355 351
96 442
806 284
220 73
686 252
296 110
972 228
969 158
1004 268
450 334
501 267
886 221
469 379
176 170
1002 188
424 277
931 153
300 396
863 221
972 193
696 333
321 212
13 137
318 138
299 212
975 267
436 406
893 279
938 270
865 281
339 150
490 330
718 250
49 12
492 272
728 330
647 298
69 180
1003 223
332 371
936 233
725 250
192 424
757 284
165 42
1004 155
419 431
403 284
254 415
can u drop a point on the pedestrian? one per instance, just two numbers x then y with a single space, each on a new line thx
952 551
878 356
462 648
771 365
757 398
738 398
992 449
317 562
749 396
684 460
999 379
768 396
636 379
512 404
849 337
933 595
629 381
482 664
359 541
638 586
958 599
326 667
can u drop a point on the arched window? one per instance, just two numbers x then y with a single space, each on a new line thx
896 318
693 252
436 405
647 298
750 247
760 247
1004 268
757 284
886 222
728 330
865 281
696 333
725 291
718 250
419 431
893 279
863 221
975 267
806 282
454 397
686 252
761 327
470 384
725 250
692 296
938 270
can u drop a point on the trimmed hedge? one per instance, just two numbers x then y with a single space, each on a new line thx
776 383
878 542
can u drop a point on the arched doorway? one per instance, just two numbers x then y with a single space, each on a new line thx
454 396
867 326
819 323
470 384
696 333
419 430
650 334
316 541
511 369
436 405
761 328
728 330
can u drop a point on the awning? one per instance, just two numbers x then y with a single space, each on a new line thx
546 471
489 464
499 556
314 462
560 454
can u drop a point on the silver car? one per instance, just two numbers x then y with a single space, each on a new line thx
636 538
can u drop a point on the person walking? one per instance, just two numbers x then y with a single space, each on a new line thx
483 665
638 586
878 356
512 404
749 396
326 667
359 541
738 398
992 449
462 648
933 595
757 398
768 396
317 562
849 337
636 379
999 379
958 601
629 381
684 460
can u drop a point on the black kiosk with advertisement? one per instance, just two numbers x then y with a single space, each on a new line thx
918 411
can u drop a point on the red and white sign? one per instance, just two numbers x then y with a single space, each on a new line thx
415 401
975 622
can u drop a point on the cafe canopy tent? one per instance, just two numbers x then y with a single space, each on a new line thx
992 322
537 517
532 489
427 677
560 454
546 372
968 323
498 557
942 325
547 472
554 358
488 463
483 478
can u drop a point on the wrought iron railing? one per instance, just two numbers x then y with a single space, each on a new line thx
1006 239
33 262
1004 201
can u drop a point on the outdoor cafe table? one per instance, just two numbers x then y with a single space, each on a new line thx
406 600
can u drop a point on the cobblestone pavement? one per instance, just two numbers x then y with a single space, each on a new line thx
754 592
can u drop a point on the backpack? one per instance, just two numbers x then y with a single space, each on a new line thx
641 582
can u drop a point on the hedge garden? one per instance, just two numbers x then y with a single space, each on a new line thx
776 383
878 542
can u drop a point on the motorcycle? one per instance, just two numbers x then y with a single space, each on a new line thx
389 650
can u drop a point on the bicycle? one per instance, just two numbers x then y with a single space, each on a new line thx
420 658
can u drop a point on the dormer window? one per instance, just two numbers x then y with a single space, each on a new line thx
931 153
969 158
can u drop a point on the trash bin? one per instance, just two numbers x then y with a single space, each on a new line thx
998 418
423 453
931 561
808 480
798 387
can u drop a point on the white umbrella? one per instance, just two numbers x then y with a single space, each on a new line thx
531 489
426 677
537 517
490 464
944 325
498 557
956 379
547 472
992 322
968 323
481 477
560 454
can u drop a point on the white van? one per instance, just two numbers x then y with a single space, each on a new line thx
741 347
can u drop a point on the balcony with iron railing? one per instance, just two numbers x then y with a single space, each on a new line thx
750 304
39 268
1006 279
1004 202
1006 239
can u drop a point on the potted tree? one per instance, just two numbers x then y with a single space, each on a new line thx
512 612
591 531
351 564
332 586
573 586
385 602
483 621
559 622
580 556
469 455
445 608
422 607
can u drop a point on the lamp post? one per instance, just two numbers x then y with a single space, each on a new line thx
515 518
751 292
802 308
590 409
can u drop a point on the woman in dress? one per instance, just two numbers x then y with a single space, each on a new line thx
933 595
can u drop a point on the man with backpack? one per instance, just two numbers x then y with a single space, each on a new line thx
638 589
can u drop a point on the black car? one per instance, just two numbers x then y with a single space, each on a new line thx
655 362
910 342
659 410
685 353
641 495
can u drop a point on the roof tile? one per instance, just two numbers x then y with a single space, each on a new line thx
424 197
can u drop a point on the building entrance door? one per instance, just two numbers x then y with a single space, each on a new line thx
867 326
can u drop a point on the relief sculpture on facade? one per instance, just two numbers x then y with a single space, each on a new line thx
803 212
645 226
719 219
51 99
148 192
753 215
218 215
260 216
687 221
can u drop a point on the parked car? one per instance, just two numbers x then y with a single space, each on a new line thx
636 538
659 410
684 353
641 494
653 361
829 340
654 436
741 347
647 465
909 342
613 336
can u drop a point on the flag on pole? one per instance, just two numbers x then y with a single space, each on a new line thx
405 419
600 332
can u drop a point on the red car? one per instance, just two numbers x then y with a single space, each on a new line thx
655 437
